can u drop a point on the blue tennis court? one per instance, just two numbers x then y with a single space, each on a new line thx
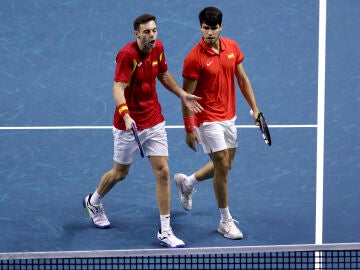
56 73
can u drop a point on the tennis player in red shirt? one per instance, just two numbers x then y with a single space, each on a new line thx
138 65
209 71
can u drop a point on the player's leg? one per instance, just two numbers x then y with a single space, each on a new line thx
110 179
222 140
123 155
93 202
186 183
219 140
227 226
165 235
162 175
156 147
221 163
212 138
206 172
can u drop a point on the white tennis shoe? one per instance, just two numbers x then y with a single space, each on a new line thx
168 239
229 229
96 213
185 192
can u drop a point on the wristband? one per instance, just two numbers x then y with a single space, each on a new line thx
189 123
123 109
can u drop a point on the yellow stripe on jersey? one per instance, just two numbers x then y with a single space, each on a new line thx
132 71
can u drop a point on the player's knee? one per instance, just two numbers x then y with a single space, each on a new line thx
222 161
222 165
163 175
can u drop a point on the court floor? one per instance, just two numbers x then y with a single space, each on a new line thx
56 71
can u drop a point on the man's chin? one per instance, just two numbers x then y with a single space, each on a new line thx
147 49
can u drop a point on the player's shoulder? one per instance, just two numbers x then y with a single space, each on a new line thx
229 41
129 48
159 43
158 50
195 50
231 45
127 53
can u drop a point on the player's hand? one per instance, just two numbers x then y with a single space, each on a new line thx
128 122
190 102
254 113
191 138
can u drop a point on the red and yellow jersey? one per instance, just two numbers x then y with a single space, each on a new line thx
215 75
140 71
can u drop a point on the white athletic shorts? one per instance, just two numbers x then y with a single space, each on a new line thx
217 136
153 140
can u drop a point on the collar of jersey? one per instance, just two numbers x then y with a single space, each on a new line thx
209 49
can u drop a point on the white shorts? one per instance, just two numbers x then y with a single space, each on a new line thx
217 136
153 140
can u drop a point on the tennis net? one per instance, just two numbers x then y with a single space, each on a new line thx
327 256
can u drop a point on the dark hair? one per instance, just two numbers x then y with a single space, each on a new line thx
143 19
212 16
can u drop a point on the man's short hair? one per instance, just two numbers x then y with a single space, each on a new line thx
211 16
142 19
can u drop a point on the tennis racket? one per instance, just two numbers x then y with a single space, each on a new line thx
134 130
264 129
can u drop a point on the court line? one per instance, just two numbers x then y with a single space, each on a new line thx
320 124
110 127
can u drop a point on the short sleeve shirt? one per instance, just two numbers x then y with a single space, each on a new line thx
140 71
215 75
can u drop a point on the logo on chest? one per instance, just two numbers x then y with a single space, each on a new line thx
209 63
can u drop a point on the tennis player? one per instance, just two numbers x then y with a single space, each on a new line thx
138 65
209 71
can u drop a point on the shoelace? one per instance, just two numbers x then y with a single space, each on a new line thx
171 236
231 225
99 210
168 233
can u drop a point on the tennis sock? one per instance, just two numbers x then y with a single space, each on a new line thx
191 180
95 199
225 213
165 223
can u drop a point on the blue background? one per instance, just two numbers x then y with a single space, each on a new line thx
56 69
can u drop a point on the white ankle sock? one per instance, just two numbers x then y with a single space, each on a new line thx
191 180
165 223
95 199
225 213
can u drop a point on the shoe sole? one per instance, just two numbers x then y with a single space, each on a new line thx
162 243
92 222
178 185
